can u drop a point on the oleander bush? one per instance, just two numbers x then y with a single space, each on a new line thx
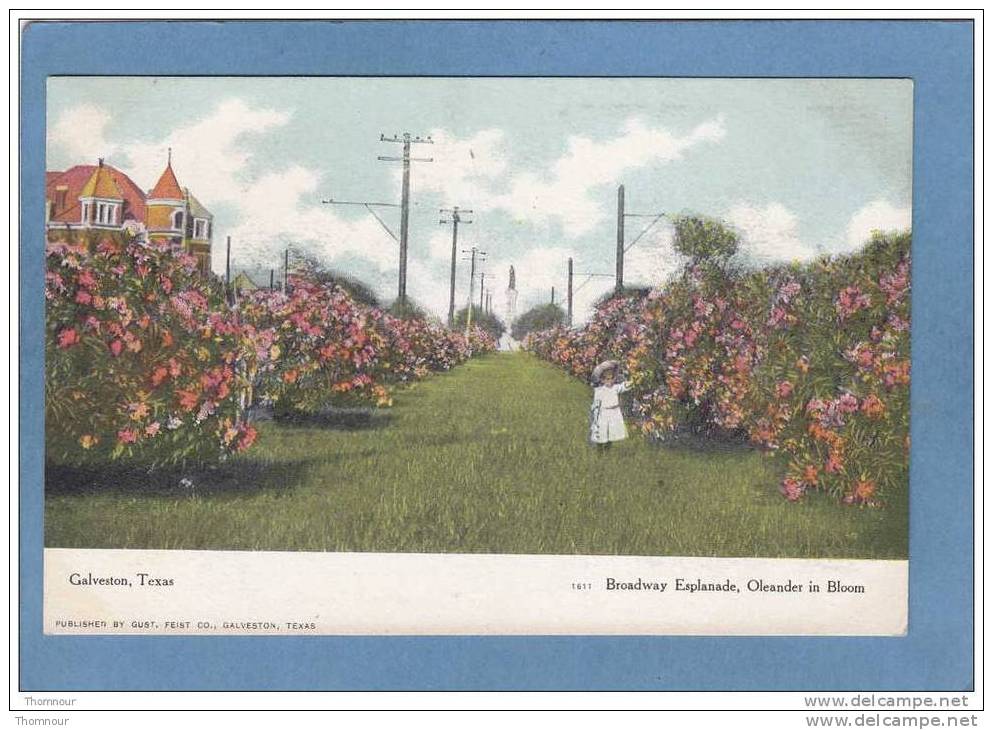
811 362
142 358
146 358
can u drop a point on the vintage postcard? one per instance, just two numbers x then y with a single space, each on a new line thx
390 355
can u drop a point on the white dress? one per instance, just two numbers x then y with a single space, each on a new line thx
606 421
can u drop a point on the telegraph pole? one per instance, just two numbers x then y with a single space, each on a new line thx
272 279
406 140
286 270
482 289
619 276
474 254
227 272
569 295
553 295
621 248
456 219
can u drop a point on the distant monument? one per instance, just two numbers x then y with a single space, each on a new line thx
510 312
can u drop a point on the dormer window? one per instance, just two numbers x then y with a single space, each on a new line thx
177 220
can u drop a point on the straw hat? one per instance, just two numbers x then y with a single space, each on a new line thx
602 368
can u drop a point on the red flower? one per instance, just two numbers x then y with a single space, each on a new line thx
187 399
127 436
159 375
872 406
792 489
68 338
115 347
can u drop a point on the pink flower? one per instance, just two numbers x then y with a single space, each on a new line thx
86 279
784 389
115 347
850 300
67 338
127 436
897 323
792 489
848 403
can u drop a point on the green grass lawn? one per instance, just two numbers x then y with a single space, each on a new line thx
491 457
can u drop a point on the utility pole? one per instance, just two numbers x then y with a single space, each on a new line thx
475 254
553 295
619 276
227 271
569 295
456 219
482 289
406 140
286 270
272 279
621 248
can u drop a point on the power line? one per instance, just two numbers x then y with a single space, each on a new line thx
369 207
655 219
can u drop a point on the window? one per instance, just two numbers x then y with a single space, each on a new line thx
86 213
177 220
199 228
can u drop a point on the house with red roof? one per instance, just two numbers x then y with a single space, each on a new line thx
87 199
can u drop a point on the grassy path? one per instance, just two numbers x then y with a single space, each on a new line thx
491 457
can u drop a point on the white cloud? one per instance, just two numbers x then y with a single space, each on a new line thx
80 133
278 210
565 194
209 155
651 260
440 244
463 170
878 215
769 234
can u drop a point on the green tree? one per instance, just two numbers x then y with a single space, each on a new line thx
542 317
480 318
705 240
310 267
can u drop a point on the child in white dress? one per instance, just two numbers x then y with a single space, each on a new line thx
606 420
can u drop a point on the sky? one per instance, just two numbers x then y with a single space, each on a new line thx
800 167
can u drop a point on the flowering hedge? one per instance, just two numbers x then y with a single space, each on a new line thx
145 358
141 358
317 346
809 361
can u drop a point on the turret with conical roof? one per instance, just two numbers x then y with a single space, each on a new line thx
100 196
101 199
167 209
